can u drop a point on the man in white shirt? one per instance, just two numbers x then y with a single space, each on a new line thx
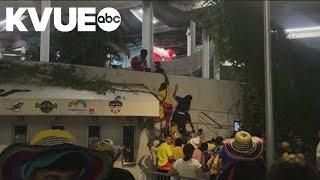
188 169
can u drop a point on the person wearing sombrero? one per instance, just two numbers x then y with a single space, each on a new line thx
106 145
53 154
244 153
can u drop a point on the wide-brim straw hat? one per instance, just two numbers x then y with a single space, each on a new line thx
243 146
196 142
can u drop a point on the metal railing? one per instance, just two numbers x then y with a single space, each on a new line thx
165 176
150 173
213 123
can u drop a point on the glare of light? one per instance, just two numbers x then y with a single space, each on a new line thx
17 49
303 35
226 63
307 32
12 55
303 29
138 13
241 65
202 4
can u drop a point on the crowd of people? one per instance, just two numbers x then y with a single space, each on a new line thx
179 152
241 157
54 154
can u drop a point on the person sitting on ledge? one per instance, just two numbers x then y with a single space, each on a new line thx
139 63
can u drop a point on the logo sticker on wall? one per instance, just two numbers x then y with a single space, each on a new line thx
92 111
46 106
77 105
115 106
15 106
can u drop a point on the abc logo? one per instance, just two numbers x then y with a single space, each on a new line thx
109 19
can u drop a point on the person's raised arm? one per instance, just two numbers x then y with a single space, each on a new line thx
166 79
190 123
174 94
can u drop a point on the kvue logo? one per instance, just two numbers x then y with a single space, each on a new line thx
85 19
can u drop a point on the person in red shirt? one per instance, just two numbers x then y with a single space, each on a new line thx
139 63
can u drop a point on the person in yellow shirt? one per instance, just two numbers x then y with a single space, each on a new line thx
164 155
177 150
165 101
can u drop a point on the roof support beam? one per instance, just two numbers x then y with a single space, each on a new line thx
45 36
191 38
205 55
147 31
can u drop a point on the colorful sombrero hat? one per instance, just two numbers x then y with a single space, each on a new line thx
52 148
243 146
106 145
20 161
53 137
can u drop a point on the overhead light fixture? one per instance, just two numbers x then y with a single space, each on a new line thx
307 32
138 13
12 55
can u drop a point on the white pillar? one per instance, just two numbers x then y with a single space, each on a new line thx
45 36
147 31
215 59
216 69
205 55
191 38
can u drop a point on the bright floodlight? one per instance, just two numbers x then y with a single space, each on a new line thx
308 32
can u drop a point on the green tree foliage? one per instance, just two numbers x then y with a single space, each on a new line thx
236 27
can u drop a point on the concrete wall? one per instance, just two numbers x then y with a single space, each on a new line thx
216 98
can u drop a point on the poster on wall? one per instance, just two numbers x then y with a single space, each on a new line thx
115 106
77 106
46 106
